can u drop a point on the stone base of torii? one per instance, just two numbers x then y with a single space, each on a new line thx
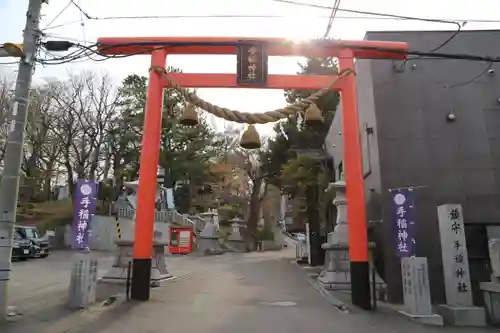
118 272
336 273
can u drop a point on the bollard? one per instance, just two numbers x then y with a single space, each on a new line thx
129 270
118 229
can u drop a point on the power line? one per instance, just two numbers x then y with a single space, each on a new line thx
71 39
363 12
372 16
335 7
403 17
459 84
57 16
82 23
81 10
435 49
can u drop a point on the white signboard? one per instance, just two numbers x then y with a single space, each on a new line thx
416 290
454 254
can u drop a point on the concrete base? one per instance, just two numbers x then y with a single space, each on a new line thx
118 275
337 274
462 316
491 294
236 245
332 280
431 319
118 272
208 245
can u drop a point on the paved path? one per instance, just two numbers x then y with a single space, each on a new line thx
257 292
41 283
45 280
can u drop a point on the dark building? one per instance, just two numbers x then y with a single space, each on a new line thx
409 140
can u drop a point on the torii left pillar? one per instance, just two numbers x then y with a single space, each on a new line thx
144 226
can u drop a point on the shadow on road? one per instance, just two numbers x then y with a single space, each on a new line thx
108 318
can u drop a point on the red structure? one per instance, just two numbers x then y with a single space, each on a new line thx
181 240
346 51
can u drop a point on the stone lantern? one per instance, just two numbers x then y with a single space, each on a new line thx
235 240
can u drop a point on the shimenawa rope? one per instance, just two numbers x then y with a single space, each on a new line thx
245 117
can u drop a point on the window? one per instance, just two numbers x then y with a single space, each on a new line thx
31 233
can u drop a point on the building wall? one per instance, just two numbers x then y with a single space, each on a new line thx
414 145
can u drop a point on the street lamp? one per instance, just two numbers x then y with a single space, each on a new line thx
12 50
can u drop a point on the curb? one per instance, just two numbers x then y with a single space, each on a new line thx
337 304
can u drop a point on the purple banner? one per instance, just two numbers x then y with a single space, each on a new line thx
85 204
403 216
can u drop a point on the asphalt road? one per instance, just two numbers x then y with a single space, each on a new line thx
44 281
248 293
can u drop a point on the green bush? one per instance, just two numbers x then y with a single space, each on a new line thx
225 223
264 234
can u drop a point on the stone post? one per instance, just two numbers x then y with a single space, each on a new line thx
458 309
416 291
83 283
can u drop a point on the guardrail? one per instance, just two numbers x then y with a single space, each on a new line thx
198 221
129 213
300 246
195 222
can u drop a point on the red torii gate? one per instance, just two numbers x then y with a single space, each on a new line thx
345 51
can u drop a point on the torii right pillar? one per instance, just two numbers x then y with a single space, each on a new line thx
353 166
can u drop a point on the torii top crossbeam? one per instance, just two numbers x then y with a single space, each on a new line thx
275 47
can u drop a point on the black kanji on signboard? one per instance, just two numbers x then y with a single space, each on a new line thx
252 63
459 272
462 287
459 258
456 227
454 214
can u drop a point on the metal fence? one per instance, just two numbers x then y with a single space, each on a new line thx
129 213
167 216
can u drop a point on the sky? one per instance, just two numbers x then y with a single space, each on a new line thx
298 23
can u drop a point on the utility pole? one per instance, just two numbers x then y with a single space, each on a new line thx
9 185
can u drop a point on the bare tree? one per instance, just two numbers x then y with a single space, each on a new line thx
87 106
6 99
248 160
